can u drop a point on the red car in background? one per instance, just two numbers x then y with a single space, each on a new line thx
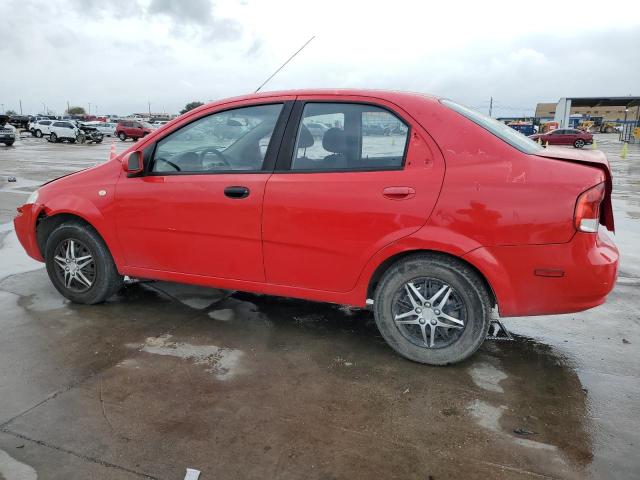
432 224
564 136
133 129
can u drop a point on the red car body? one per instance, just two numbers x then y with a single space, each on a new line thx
328 236
131 129
565 136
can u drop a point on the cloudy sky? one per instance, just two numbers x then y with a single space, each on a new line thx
119 55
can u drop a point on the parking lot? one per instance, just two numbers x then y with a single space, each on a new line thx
164 377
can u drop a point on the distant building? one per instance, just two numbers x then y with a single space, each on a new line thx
569 111
611 113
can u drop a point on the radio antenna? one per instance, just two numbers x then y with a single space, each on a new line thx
284 64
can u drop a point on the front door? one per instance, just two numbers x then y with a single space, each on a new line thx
198 209
351 178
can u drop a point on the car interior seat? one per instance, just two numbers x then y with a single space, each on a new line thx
335 141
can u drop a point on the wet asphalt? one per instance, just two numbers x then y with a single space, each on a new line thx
163 376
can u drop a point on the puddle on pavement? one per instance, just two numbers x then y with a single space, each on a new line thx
223 363
535 400
12 469
507 386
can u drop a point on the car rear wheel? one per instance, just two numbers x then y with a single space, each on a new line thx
432 309
80 265
122 136
578 143
53 138
38 134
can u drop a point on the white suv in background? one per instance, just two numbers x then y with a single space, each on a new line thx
67 130
41 128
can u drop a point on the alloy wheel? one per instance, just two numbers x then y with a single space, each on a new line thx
74 265
429 313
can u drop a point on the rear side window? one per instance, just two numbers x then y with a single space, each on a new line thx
499 129
349 136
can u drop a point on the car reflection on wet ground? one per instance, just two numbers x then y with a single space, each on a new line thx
164 377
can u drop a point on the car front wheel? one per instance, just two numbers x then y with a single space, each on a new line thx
432 309
53 138
80 265
578 143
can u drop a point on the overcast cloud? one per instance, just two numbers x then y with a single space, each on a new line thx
120 54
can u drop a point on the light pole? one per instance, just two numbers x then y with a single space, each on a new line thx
44 108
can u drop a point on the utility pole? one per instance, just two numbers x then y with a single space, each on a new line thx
149 104
68 107
20 106
89 108
490 106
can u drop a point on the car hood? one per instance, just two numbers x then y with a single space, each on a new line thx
594 158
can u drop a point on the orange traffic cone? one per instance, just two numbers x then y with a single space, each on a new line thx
112 152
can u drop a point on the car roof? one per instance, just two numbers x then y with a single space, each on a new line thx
389 95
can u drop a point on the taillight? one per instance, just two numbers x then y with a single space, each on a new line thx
587 216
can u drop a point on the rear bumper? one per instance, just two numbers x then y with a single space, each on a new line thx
25 225
550 279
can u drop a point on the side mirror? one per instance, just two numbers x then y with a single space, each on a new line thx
132 163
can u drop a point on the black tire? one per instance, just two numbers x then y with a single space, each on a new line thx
469 289
579 143
8 144
53 138
98 141
72 140
38 134
122 136
106 279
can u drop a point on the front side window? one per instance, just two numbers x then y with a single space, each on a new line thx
349 136
499 129
233 140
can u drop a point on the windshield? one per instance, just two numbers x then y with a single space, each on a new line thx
499 129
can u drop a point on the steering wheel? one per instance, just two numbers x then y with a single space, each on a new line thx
171 164
218 153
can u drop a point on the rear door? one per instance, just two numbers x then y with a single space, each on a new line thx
339 195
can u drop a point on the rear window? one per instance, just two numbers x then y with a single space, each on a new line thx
499 129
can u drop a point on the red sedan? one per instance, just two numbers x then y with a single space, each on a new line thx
433 219
564 136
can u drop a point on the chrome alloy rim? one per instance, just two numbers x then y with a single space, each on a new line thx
429 313
74 265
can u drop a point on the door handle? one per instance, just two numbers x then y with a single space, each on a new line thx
237 192
398 193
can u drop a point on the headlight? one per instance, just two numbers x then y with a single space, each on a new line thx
33 198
